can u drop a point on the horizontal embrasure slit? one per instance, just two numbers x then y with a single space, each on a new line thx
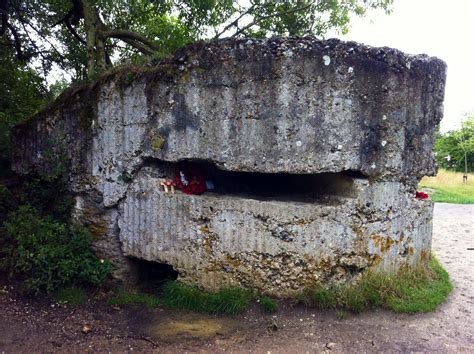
270 186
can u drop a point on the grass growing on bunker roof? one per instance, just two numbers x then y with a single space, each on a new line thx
230 301
410 290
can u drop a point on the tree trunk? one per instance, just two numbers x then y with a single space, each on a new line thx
96 57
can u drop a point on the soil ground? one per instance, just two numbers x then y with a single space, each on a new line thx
41 326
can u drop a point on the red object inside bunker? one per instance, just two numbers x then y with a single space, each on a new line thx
190 178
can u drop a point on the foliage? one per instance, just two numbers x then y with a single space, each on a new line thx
122 298
267 304
225 301
449 187
46 255
455 144
48 196
72 296
84 35
410 290
22 93
7 202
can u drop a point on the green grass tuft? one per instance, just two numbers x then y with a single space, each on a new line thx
267 304
122 298
187 297
410 291
424 293
72 296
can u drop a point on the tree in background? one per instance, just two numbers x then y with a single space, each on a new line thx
88 36
455 149
22 93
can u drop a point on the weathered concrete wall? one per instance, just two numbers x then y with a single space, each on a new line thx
295 105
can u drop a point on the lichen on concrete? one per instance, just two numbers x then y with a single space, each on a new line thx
363 119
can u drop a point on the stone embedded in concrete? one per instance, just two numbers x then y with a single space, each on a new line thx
293 106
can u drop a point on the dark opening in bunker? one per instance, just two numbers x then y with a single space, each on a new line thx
152 275
276 186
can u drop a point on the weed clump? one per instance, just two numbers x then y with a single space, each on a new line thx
410 291
122 298
226 301
267 304
71 296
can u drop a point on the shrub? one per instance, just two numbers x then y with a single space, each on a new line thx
46 255
48 195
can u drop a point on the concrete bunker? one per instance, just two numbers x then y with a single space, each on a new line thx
314 162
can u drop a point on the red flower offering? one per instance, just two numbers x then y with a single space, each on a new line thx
190 178
422 195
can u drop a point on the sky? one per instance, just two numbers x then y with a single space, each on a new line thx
440 28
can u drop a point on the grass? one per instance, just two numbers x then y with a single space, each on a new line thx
187 297
448 187
409 291
71 296
122 298
267 304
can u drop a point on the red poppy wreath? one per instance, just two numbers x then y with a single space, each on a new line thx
190 178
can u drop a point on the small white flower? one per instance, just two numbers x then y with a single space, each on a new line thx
384 117
384 142
373 165
339 147
299 143
350 70
327 60
102 261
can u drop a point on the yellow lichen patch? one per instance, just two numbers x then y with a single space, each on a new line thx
96 224
425 256
232 261
376 259
383 243
98 230
208 242
204 229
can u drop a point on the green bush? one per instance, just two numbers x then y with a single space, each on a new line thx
49 195
46 255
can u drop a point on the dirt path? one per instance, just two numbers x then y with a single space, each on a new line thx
37 326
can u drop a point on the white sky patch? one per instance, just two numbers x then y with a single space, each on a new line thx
435 27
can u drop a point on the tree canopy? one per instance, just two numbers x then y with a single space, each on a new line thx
455 149
84 37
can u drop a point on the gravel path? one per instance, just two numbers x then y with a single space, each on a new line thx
37 326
